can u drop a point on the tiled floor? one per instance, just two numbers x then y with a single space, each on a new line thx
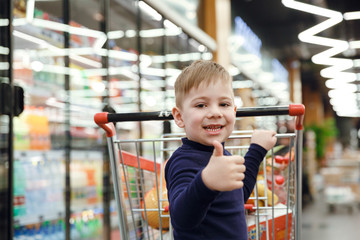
320 222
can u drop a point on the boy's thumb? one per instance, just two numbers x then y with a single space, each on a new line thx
218 149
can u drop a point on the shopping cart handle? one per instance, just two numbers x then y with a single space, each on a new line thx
297 110
101 119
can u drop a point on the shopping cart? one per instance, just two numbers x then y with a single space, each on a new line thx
273 210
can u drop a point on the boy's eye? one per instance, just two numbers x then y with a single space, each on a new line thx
225 104
200 105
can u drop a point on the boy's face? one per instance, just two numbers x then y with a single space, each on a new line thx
207 113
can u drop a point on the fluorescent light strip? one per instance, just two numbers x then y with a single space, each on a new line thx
30 38
4 22
337 65
339 84
67 28
62 52
150 11
354 44
149 33
356 62
45 44
342 92
128 56
30 6
4 50
19 22
347 114
309 8
115 34
352 15
336 71
4 65
101 37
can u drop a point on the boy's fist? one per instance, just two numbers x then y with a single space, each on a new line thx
264 138
223 173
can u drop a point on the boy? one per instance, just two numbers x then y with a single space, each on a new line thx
207 187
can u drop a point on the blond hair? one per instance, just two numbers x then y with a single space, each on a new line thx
200 71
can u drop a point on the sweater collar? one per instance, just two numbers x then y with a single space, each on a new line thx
198 146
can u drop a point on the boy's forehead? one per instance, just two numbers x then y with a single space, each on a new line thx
204 85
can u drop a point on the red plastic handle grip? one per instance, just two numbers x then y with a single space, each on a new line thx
297 110
101 120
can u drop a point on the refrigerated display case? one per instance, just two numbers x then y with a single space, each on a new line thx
74 61
117 55
6 195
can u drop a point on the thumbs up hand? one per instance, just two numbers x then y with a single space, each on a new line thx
223 173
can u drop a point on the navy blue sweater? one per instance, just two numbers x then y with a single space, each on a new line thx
198 212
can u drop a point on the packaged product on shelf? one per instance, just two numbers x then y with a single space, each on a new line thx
38 179
19 190
21 133
38 125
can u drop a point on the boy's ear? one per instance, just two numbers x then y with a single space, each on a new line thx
235 108
177 117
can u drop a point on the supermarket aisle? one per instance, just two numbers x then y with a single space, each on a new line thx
319 223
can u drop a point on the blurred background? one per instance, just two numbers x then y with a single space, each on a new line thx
62 61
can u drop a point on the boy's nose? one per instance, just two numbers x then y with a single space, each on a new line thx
214 112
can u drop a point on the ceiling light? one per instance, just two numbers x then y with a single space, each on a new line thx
234 70
352 15
4 50
336 72
4 65
354 44
153 72
170 25
343 91
338 93
122 55
130 33
308 8
37 66
145 61
115 34
339 79
150 33
98 86
19 22
30 38
30 6
4 22
201 48
207 56
150 11
338 84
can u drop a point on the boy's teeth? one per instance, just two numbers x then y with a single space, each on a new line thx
213 128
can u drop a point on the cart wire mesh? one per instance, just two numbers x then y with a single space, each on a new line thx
273 209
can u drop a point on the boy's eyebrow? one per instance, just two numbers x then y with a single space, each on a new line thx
206 98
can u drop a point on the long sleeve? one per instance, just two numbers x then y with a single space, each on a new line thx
253 158
188 195
196 211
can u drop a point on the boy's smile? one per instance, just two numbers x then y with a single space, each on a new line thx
207 113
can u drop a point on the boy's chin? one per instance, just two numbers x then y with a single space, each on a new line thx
209 141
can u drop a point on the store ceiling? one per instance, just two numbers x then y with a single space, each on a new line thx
278 28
